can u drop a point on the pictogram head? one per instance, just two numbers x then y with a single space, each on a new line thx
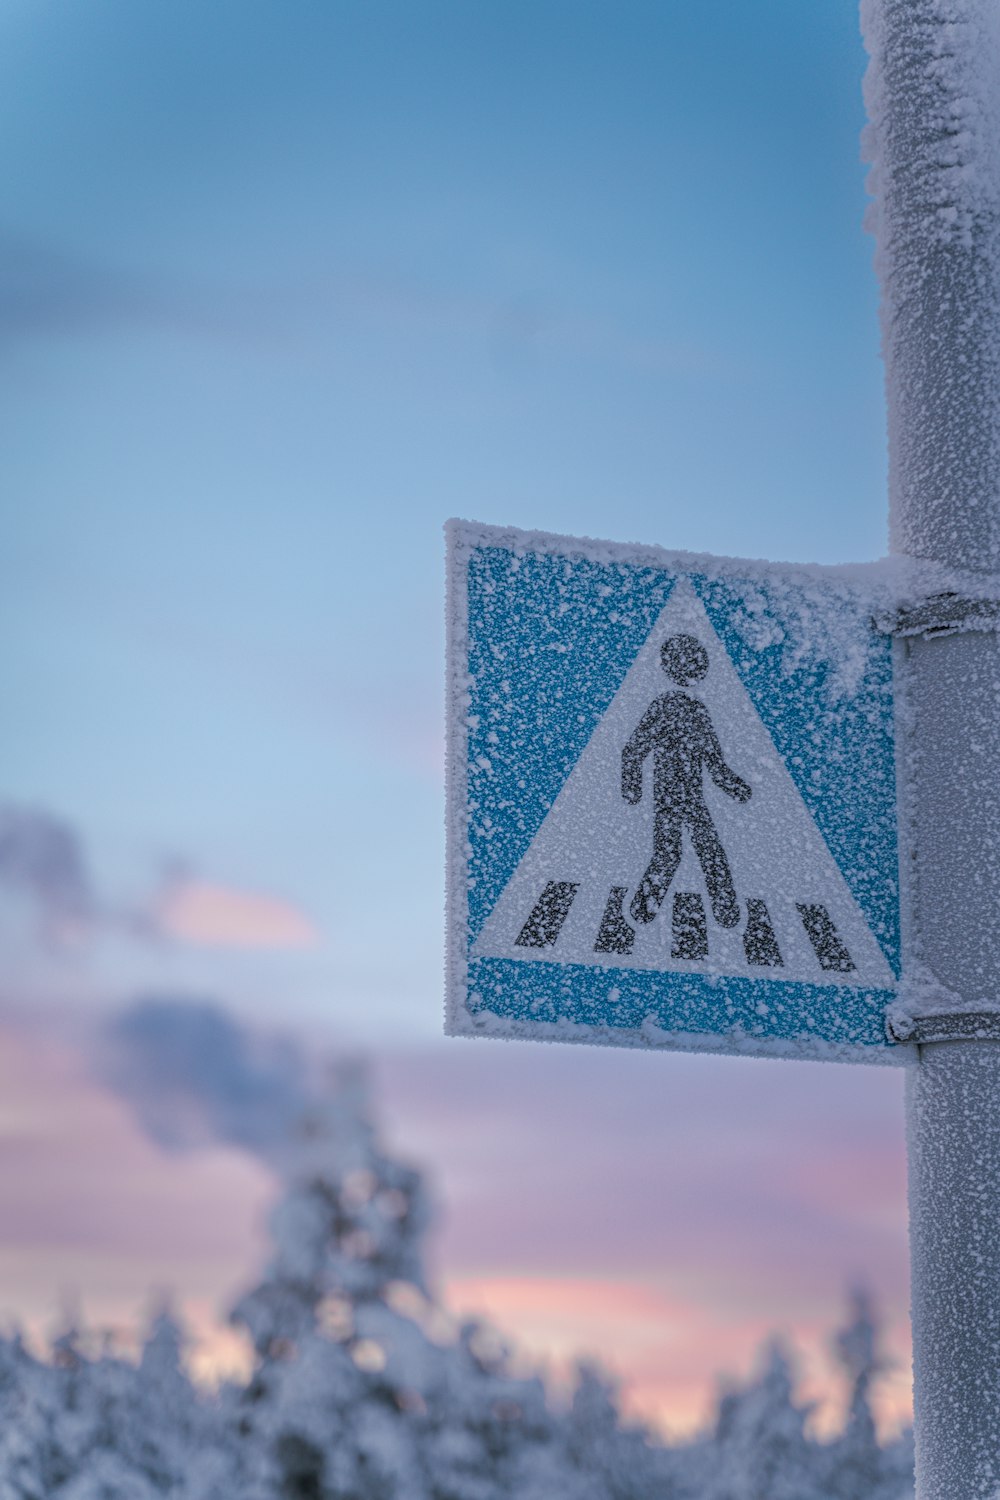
684 659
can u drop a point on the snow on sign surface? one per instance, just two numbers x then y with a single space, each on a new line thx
672 800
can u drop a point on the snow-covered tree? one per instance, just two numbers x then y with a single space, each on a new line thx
858 1463
761 1448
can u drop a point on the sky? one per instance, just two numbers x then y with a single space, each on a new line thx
282 287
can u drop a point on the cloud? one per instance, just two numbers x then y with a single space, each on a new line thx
194 1077
92 1207
43 861
667 1352
47 291
757 1190
667 1212
221 916
42 858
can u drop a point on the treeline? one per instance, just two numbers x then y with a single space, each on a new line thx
353 1395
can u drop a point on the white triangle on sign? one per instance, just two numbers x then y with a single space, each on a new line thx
594 844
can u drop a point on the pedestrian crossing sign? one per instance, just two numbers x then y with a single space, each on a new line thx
672 800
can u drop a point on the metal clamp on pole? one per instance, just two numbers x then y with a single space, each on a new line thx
940 614
944 1026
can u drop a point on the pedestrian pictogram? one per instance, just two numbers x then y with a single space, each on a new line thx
677 729
634 857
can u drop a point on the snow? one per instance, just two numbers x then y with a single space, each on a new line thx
933 141
367 1405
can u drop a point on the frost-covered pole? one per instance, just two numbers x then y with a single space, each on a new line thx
933 91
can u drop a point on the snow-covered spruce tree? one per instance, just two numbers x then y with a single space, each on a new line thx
77 1427
351 1398
762 1451
857 1463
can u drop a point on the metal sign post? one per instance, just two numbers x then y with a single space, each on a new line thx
933 97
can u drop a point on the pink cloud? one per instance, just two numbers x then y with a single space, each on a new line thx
741 1198
668 1353
209 915
593 1159
634 1331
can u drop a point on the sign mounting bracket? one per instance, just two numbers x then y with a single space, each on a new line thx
946 613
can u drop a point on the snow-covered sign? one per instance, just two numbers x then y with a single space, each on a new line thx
672 800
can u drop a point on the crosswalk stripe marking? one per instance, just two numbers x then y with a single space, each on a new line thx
547 915
825 939
690 926
759 941
615 934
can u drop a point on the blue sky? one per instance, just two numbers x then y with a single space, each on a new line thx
282 286
288 285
